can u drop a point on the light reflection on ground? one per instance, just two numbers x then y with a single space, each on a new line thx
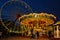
23 38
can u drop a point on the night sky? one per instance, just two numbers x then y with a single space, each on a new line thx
49 6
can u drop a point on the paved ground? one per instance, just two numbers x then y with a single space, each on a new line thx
27 38
22 38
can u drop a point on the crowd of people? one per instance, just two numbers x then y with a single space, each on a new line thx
36 34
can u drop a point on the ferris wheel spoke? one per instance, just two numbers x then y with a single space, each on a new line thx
18 29
10 28
14 28
8 24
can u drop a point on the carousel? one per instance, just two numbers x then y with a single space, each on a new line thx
39 22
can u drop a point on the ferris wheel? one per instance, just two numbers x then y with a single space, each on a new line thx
11 11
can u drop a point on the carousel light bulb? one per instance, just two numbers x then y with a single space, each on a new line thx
35 15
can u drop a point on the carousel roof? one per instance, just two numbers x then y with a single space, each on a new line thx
43 18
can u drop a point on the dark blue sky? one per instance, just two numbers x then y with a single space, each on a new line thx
50 6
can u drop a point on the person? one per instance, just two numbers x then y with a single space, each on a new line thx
0 34
49 33
32 34
37 33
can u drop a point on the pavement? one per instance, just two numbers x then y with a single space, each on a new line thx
23 38
28 38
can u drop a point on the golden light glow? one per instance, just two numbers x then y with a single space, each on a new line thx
42 17
37 23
